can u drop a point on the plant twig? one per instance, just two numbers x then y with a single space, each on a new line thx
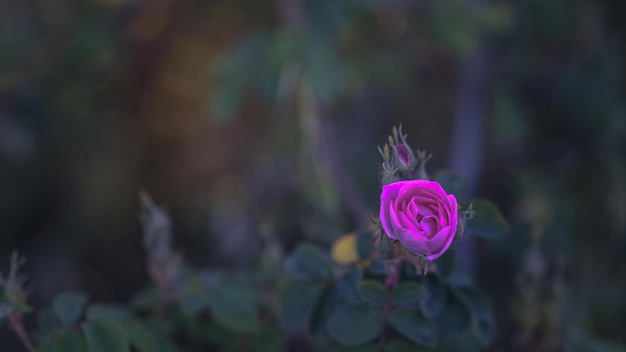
15 322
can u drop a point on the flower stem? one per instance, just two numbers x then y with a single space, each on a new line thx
15 321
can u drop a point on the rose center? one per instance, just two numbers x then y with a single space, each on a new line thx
424 218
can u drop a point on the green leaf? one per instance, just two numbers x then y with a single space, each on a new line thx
465 342
193 302
582 342
145 300
452 182
482 315
373 292
488 221
325 306
140 337
434 298
160 330
220 337
105 336
365 244
354 325
399 346
406 292
296 299
377 267
68 306
269 339
106 311
233 308
459 278
308 263
47 322
362 348
446 263
455 318
348 286
412 325
70 341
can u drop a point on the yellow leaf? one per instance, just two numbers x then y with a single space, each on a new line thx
344 250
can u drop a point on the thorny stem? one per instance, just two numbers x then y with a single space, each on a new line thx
163 263
15 321
16 298
392 275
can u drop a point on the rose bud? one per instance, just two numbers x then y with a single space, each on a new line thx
405 157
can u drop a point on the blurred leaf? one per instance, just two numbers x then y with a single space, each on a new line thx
140 337
308 263
69 341
106 336
226 101
362 348
465 342
488 221
193 301
484 323
365 244
406 292
452 182
296 299
412 325
373 292
233 308
106 311
434 298
446 263
454 26
459 278
399 346
497 17
236 75
145 300
377 267
348 285
344 250
587 343
355 324
47 322
269 339
455 318
322 311
221 337
160 330
68 306
326 70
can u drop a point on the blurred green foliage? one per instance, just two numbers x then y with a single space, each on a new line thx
214 107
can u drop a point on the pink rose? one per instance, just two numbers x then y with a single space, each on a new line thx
419 214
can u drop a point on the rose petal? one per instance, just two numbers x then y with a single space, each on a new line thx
409 223
429 225
413 210
454 208
387 198
441 241
427 211
414 242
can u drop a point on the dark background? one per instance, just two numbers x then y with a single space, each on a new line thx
253 117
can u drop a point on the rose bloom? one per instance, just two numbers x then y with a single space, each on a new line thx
419 214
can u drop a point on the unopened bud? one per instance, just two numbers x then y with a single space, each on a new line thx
405 157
